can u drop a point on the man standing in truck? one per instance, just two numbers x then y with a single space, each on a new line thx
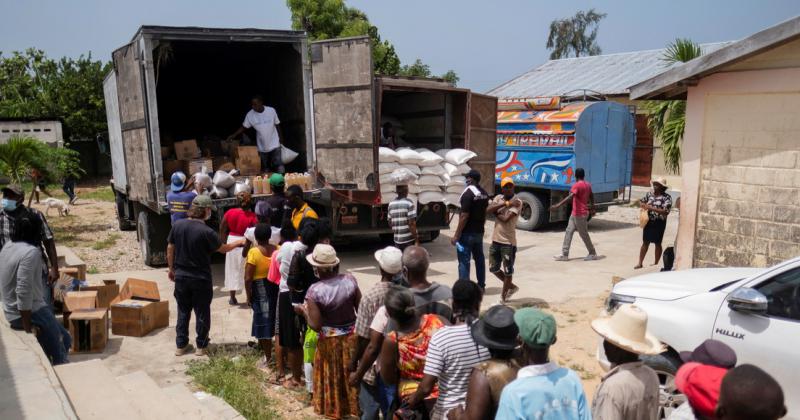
268 138
582 206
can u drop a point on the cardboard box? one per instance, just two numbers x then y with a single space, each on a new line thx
138 309
186 150
166 152
248 166
194 166
229 146
220 161
75 301
137 318
170 166
106 292
242 151
89 330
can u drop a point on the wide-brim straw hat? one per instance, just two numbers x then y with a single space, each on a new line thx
627 329
659 181
323 256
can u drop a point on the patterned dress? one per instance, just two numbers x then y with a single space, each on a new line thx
412 349
654 230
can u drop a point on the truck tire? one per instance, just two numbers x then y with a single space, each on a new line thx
666 365
122 206
152 233
533 214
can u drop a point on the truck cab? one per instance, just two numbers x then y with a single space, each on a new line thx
175 83
542 141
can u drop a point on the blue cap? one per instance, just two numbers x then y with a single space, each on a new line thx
178 181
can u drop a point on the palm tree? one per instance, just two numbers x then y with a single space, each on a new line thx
18 157
667 119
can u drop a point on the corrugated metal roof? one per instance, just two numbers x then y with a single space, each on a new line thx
610 74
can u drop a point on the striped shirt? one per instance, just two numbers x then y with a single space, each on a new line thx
452 353
401 211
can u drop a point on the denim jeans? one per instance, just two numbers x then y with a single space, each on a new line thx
471 245
53 337
386 396
369 401
69 188
193 294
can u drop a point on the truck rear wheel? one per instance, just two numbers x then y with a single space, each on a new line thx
533 214
152 233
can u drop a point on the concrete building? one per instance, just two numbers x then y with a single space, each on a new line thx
47 130
605 76
741 150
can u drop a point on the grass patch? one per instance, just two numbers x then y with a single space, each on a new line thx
106 243
97 194
92 270
231 374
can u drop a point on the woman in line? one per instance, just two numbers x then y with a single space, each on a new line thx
658 205
276 270
262 294
498 332
331 305
234 224
402 358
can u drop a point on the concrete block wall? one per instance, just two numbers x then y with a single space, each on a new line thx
749 202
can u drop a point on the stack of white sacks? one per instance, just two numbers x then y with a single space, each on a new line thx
431 177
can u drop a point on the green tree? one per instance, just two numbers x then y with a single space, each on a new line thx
18 156
667 119
326 19
575 36
34 86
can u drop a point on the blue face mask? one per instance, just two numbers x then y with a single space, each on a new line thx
9 205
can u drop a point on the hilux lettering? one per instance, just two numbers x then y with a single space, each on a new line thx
732 334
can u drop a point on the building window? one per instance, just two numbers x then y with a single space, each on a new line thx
27 130
5 130
36 130
16 130
46 129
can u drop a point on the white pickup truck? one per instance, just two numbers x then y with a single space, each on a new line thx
755 311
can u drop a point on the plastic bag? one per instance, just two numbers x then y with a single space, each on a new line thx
430 180
387 167
409 157
437 170
223 179
402 176
287 155
457 180
415 169
443 152
218 192
429 158
242 187
644 218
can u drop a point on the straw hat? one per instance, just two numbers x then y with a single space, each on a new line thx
627 329
660 181
323 256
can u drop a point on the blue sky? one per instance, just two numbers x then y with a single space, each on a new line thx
485 42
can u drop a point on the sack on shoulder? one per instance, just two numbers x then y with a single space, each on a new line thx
644 217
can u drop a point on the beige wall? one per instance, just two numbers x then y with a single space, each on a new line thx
46 131
741 170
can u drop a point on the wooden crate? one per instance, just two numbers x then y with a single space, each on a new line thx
89 330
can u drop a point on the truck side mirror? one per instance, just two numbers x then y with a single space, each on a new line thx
745 299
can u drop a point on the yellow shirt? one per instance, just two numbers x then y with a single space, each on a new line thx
299 214
260 261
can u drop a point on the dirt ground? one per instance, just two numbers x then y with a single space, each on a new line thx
573 291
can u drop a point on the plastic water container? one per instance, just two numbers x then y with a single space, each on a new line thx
257 185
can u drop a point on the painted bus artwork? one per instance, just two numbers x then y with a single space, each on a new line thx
541 142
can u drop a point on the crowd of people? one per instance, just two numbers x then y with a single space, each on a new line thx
407 347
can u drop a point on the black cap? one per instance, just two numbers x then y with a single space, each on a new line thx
15 189
496 329
711 352
474 174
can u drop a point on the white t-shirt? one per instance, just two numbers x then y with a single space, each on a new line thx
265 123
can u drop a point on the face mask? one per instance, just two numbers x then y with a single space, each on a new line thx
9 205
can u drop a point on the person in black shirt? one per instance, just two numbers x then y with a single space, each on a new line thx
190 246
468 238
278 202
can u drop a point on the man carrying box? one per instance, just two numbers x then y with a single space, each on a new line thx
265 120
190 246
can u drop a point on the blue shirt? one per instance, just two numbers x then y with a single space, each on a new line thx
179 203
545 392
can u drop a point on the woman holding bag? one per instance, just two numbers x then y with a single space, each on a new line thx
657 204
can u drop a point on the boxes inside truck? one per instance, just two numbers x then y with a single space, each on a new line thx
138 309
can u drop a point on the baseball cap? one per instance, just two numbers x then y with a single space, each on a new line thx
536 328
15 189
276 180
390 259
178 181
202 201
701 385
474 174
711 352
506 181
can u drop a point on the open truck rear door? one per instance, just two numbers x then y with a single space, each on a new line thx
131 96
482 137
344 120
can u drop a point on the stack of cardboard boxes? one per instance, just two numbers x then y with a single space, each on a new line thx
138 309
247 160
230 155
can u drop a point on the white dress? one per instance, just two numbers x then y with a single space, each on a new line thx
234 267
